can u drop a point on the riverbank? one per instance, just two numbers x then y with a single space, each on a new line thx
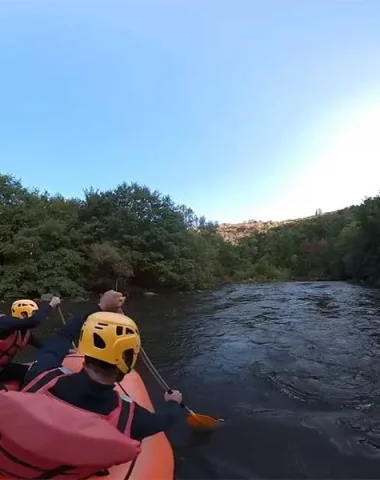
141 238
136 293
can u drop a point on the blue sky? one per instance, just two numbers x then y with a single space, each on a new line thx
240 109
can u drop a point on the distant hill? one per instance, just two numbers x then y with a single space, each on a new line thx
233 232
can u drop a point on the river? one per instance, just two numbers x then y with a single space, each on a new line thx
293 368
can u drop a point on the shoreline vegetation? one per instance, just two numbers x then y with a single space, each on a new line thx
142 240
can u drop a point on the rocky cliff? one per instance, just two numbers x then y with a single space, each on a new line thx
233 232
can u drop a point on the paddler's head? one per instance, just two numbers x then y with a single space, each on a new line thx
110 343
23 308
111 301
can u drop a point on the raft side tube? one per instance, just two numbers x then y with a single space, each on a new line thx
156 460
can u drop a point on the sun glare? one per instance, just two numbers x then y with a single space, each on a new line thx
344 169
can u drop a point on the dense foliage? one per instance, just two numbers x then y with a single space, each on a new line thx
133 235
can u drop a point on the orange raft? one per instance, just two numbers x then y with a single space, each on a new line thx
156 460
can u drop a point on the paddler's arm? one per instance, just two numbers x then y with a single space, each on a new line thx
55 350
41 314
9 324
35 342
146 424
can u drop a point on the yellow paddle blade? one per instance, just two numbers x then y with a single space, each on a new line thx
195 420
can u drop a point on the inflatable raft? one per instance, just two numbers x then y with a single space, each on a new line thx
156 460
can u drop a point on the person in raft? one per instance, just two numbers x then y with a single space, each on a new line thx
16 333
70 426
110 301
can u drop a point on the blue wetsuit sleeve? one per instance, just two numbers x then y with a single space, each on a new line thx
35 342
42 314
55 350
9 324
146 423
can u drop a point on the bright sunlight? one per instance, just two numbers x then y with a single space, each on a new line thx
345 168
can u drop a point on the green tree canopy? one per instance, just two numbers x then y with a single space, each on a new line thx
134 235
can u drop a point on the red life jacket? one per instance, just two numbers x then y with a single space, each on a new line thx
43 437
11 345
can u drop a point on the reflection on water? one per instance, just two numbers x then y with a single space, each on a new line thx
293 368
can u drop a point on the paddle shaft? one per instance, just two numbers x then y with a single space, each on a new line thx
155 374
46 297
64 321
153 370
158 377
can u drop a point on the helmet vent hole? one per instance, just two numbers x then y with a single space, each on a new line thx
98 341
119 330
128 331
128 357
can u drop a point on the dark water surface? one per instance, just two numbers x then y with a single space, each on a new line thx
293 368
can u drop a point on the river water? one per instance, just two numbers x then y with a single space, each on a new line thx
293 368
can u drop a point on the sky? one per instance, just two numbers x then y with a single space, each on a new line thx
240 109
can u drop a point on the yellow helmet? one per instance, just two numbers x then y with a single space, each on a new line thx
23 308
112 338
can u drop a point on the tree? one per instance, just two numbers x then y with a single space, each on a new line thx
135 235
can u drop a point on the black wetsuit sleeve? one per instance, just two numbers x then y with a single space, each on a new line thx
35 342
55 350
146 424
9 324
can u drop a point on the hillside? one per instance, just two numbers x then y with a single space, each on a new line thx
234 232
